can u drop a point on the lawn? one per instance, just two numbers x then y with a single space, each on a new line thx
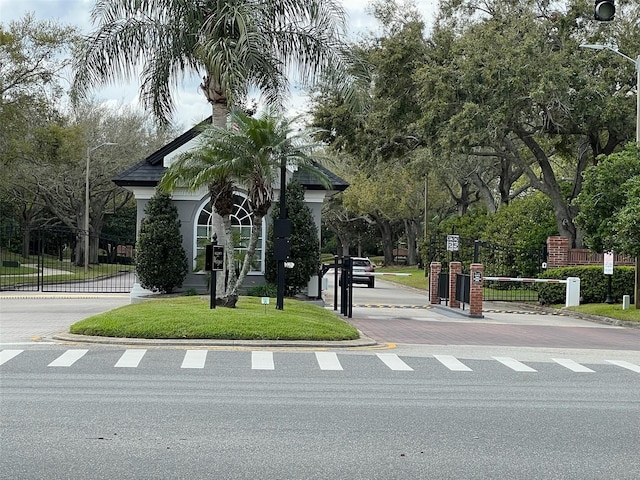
614 311
56 270
191 317
416 278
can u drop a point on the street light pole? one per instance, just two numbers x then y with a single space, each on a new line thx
636 63
86 205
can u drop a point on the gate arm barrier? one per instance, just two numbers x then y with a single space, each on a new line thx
572 296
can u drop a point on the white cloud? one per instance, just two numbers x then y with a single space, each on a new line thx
191 104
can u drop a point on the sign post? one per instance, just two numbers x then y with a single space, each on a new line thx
608 271
214 262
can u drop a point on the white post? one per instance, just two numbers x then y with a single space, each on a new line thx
573 292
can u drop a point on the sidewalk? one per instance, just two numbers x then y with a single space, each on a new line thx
35 317
502 325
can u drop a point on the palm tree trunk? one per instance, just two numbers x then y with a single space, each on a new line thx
230 297
251 250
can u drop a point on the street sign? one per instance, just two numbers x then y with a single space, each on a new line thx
453 243
608 263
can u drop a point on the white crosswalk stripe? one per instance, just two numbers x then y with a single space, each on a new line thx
452 363
628 365
262 361
572 365
6 355
194 359
131 358
68 358
394 362
514 364
328 361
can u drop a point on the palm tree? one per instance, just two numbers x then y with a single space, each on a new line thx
251 154
235 45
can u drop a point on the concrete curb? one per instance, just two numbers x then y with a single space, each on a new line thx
363 341
584 316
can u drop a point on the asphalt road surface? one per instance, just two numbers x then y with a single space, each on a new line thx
103 413
555 398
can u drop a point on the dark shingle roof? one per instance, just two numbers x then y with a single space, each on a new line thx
149 171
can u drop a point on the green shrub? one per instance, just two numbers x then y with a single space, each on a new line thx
264 290
593 284
305 246
161 262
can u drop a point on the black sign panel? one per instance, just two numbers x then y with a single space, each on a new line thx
282 228
281 248
214 258
217 263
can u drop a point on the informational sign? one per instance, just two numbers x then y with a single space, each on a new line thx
217 260
608 263
453 243
265 300
477 277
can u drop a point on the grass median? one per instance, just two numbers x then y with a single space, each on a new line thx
191 318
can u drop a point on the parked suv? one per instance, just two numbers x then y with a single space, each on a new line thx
360 266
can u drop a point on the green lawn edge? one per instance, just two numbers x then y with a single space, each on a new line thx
190 317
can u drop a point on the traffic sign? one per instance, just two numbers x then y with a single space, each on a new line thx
453 243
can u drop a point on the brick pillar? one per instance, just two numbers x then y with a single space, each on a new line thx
434 274
477 282
455 268
557 252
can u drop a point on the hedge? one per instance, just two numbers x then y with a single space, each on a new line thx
593 284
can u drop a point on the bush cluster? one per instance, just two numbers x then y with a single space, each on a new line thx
593 284
161 262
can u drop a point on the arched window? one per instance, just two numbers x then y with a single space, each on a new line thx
241 223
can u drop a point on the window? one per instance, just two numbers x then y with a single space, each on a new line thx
241 223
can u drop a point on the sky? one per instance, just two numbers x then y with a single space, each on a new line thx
191 104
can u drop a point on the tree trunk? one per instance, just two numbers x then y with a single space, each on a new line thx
387 240
229 298
251 251
218 100
411 227
26 241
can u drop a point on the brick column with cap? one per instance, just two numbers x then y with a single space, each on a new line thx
477 283
455 268
557 252
434 275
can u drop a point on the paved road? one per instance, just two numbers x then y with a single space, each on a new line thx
430 409
35 317
289 415
404 316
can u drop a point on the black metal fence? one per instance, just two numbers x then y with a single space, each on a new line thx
498 261
52 259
